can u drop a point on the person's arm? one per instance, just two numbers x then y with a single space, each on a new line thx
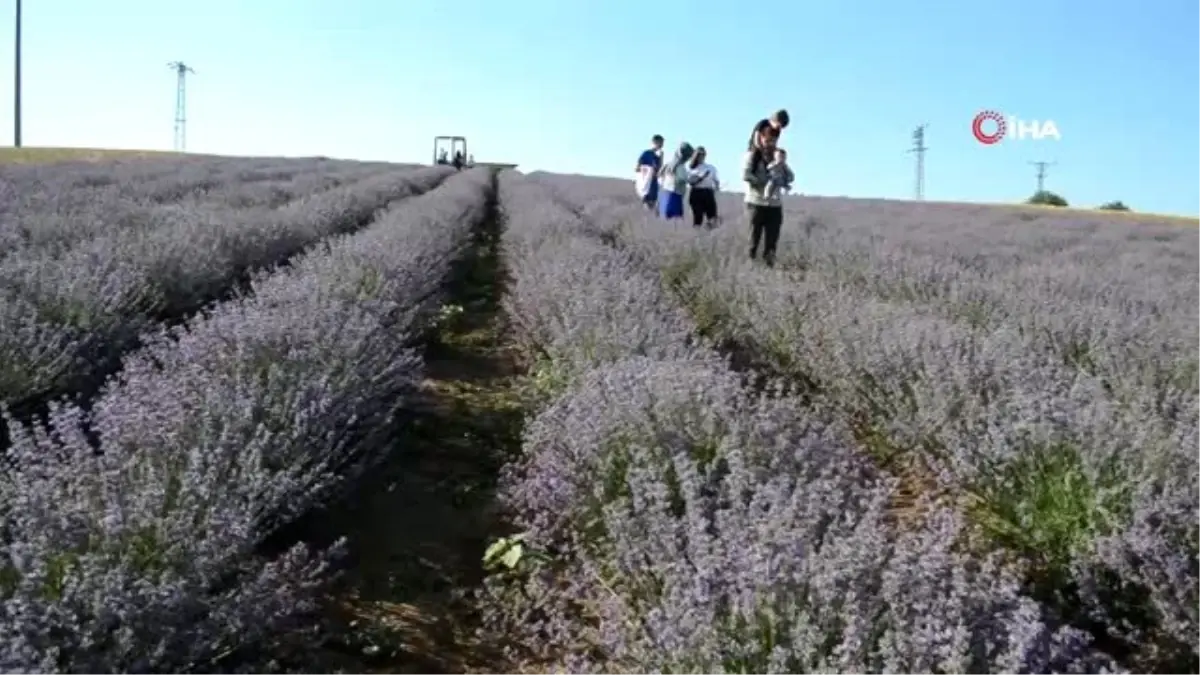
752 177
790 177
716 181
756 134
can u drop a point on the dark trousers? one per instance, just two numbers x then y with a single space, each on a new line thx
704 205
765 225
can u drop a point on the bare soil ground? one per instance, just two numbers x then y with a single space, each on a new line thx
28 155
420 525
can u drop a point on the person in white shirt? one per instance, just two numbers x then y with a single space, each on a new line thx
702 177
648 164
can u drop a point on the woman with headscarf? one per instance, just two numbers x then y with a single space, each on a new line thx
702 176
673 183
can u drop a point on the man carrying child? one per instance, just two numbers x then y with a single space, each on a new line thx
767 177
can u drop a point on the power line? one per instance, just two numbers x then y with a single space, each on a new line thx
919 148
1041 174
17 80
181 71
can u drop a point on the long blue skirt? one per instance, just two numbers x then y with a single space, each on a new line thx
670 204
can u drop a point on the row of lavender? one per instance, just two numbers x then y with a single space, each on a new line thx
1116 298
1059 416
1116 295
53 206
68 312
140 551
678 521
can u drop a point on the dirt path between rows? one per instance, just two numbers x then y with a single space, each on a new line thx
420 525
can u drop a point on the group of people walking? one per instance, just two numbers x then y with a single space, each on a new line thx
687 176
664 186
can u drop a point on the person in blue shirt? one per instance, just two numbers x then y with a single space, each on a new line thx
647 172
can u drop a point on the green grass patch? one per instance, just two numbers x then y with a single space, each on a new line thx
1047 505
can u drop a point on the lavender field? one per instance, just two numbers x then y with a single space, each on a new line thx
312 415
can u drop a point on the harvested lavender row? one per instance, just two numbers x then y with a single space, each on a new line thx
686 525
68 317
1079 474
139 555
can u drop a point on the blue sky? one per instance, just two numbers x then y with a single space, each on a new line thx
579 85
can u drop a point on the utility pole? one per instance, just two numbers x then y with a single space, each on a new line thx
1041 174
17 81
919 148
181 71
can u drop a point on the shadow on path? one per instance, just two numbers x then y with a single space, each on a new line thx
420 524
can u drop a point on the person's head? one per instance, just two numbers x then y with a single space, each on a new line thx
656 142
685 151
765 140
699 157
780 155
779 120
768 139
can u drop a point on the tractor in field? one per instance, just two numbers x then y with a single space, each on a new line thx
452 150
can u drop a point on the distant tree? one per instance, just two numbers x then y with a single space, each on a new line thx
1114 206
1047 198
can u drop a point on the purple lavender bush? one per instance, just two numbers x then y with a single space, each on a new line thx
576 302
49 206
1060 408
692 527
140 553
677 522
96 297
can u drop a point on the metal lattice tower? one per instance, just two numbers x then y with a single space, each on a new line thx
1041 174
17 80
181 71
919 149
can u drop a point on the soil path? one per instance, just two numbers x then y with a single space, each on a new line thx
421 524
